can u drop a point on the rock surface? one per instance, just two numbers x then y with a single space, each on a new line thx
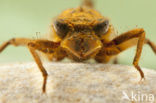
76 83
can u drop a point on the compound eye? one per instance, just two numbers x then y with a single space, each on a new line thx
61 29
101 28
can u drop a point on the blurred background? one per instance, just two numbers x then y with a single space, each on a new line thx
23 18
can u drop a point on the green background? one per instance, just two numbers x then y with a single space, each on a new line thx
23 18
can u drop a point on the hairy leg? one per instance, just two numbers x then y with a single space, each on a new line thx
33 45
115 61
127 40
15 42
151 44
42 69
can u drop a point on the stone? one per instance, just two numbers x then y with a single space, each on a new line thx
76 83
